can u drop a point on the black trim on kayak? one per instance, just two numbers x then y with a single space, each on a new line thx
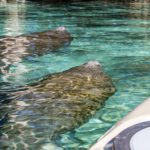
122 140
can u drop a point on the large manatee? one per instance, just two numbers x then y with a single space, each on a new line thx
54 105
14 48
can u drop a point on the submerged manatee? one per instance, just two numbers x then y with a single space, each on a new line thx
13 49
56 104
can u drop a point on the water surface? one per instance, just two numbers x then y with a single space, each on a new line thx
116 34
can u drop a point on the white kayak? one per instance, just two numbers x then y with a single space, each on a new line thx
131 133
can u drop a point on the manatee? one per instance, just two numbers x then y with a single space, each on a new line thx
58 103
14 48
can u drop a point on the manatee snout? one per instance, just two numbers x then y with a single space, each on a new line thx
91 69
61 29
63 35
93 64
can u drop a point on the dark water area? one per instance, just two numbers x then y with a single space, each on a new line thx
115 33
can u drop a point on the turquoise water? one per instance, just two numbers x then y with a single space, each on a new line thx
116 34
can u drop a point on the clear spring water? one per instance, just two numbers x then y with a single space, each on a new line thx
116 34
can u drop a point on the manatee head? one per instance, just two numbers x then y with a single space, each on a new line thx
93 64
61 29
92 69
63 35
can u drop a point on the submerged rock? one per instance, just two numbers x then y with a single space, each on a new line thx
13 49
58 103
